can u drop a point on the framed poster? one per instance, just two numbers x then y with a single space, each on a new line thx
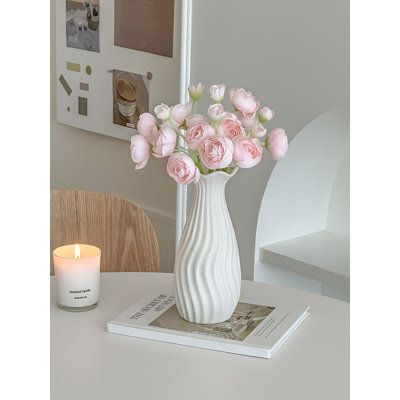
103 87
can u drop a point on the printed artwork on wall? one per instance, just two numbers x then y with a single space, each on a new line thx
145 25
130 97
75 69
103 87
82 24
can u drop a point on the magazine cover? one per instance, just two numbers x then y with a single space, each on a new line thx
254 329
244 320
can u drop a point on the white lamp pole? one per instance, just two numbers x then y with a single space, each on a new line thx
186 39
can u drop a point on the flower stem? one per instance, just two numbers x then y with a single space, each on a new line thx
195 102
199 166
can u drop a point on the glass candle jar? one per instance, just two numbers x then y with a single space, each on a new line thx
77 274
125 95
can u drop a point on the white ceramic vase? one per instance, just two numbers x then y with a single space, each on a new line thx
207 266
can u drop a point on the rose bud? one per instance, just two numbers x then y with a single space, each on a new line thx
196 91
217 93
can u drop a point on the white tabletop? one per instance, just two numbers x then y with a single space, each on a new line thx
89 363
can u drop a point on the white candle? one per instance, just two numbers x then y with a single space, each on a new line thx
77 272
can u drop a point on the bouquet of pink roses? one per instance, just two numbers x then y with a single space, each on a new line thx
201 144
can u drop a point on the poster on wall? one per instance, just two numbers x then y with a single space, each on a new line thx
130 97
145 25
102 87
82 24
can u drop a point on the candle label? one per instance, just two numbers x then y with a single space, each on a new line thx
83 291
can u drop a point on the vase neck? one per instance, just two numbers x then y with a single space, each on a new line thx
212 184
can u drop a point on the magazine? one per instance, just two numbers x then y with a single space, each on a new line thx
255 329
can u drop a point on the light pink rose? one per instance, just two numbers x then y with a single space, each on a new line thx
164 144
162 111
147 127
277 143
180 112
197 133
231 128
216 152
265 114
182 168
195 119
258 130
243 101
216 112
247 152
146 124
152 136
195 91
140 151
217 93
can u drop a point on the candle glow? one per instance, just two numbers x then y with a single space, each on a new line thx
77 252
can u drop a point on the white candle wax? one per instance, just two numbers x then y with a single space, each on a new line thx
77 272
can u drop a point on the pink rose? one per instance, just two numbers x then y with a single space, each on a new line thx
140 151
265 114
144 130
164 144
258 130
195 91
152 136
180 112
197 133
217 93
182 168
216 152
231 128
247 152
146 124
243 101
216 112
162 111
195 119
277 143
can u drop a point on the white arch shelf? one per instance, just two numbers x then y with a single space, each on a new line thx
302 236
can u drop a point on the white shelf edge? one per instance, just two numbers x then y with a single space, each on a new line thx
274 254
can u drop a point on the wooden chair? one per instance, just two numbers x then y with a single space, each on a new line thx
119 228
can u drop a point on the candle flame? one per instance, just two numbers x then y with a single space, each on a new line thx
77 252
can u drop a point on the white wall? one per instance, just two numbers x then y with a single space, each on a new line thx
90 161
293 55
338 220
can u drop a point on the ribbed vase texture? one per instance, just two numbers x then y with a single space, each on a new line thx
207 266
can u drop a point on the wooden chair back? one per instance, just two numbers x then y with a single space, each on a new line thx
119 228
